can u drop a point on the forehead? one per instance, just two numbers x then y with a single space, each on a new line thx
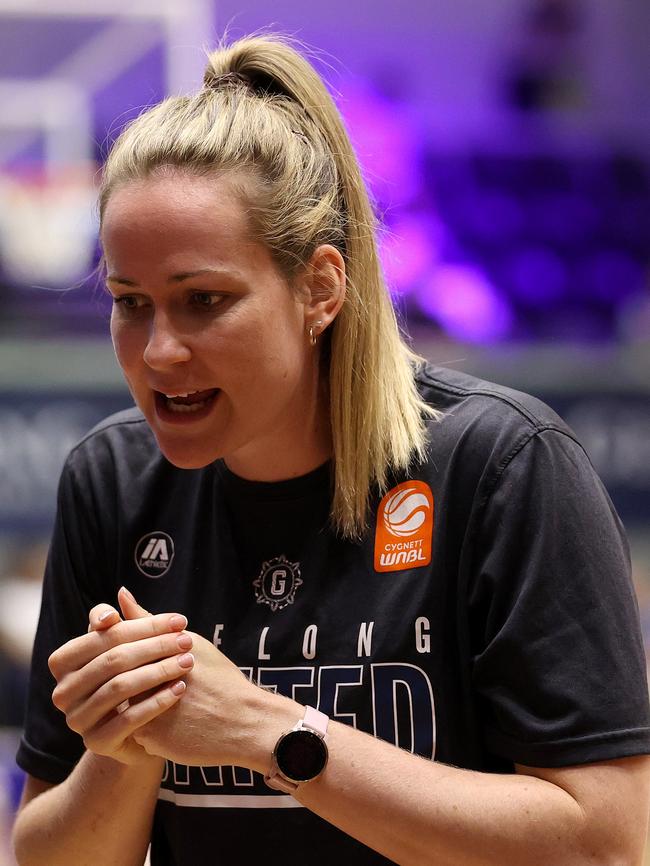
177 215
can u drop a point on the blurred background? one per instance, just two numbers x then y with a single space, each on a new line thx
507 147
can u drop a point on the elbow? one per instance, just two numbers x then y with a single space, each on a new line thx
18 844
622 859
23 843
613 852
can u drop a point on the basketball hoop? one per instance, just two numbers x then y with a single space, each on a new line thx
48 225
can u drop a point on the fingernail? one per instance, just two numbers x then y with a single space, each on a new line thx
184 641
105 615
127 593
178 622
186 660
179 687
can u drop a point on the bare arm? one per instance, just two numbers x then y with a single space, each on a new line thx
418 812
414 811
411 810
101 814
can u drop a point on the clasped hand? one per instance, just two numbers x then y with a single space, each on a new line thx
132 689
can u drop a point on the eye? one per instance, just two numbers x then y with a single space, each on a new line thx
206 300
128 302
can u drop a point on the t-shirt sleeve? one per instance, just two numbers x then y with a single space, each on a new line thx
558 663
49 749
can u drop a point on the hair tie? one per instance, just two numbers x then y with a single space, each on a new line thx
224 79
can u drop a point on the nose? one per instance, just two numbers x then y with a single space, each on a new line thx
165 346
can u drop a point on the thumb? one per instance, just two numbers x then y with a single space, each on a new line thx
129 606
101 617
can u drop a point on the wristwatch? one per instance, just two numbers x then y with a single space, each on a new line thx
300 754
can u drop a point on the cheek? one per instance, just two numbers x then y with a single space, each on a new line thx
281 337
277 357
264 348
125 344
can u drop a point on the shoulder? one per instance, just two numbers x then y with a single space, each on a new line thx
470 406
120 444
455 393
127 424
483 426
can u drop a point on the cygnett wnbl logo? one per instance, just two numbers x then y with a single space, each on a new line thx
404 527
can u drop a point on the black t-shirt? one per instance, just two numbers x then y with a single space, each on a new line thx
486 618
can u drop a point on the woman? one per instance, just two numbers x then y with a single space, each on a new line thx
359 544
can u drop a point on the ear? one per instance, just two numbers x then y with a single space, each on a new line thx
323 283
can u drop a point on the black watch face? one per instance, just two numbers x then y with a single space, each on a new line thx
301 755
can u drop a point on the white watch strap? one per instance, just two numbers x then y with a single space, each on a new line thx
315 720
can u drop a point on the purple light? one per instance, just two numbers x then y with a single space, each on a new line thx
490 216
536 275
466 305
563 218
610 275
409 249
387 141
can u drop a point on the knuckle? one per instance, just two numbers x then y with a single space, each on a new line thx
116 687
143 734
112 659
73 722
58 698
160 699
144 741
114 636
53 663
93 743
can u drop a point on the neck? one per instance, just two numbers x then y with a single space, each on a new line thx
304 443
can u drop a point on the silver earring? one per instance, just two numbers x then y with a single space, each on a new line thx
313 335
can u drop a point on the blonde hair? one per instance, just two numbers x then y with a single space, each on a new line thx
264 111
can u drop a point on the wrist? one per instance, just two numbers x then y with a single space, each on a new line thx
268 716
301 754
149 767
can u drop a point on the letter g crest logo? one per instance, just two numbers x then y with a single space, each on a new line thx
277 583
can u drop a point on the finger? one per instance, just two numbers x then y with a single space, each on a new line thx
109 737
101 617
124 686
79 685
81 650
129 606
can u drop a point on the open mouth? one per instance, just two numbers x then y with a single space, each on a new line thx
191 403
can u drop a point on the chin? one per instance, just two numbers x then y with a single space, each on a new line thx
184 457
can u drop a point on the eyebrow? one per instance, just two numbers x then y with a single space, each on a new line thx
179 278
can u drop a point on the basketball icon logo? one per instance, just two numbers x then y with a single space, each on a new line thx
404 527
405 512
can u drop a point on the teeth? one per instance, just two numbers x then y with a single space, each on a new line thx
181 407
